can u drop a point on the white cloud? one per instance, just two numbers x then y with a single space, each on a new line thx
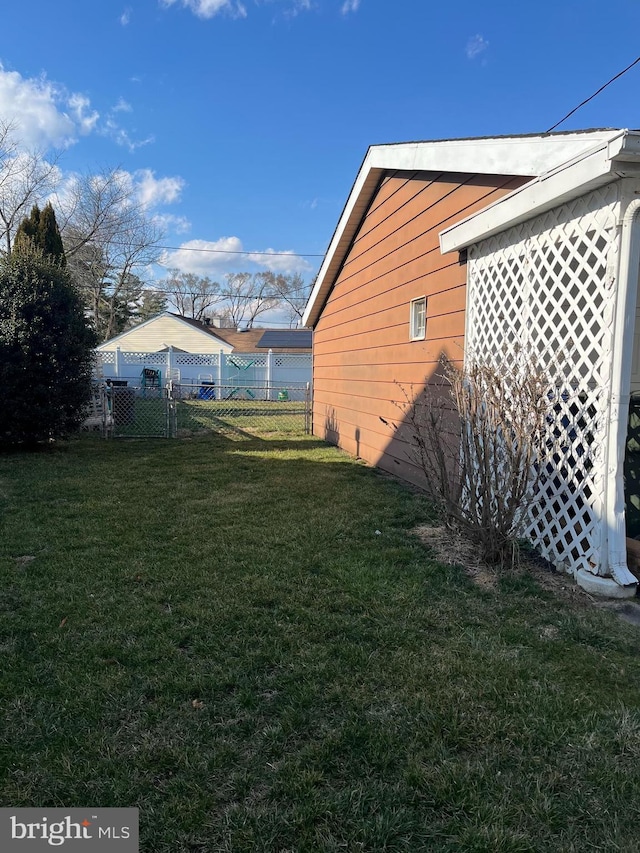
139 187
122 137
283 262
210 8
80 107
125 17
209 258
37 108
45 114
170 222
350 6
154 191
475 46
298 6
212 257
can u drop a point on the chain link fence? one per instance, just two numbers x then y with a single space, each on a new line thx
179 410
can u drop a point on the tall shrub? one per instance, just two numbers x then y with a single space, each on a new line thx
485 441
46 349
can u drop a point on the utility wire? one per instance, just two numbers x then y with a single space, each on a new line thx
237 252
591 97
221 295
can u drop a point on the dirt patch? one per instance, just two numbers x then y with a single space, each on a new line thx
451 548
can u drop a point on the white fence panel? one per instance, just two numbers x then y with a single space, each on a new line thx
242 370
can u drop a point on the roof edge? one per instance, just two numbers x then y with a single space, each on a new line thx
604 163
500 155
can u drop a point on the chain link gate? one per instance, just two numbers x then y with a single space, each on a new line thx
178 410
140 412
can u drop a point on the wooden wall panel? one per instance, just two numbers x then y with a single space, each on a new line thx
363 358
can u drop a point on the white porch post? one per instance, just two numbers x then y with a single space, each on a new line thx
170 363
623 331
117 362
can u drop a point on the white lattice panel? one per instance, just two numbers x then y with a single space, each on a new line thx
106 357
549 285
293 360
243 361
158 358
188 358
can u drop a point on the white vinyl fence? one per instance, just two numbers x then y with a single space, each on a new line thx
241 374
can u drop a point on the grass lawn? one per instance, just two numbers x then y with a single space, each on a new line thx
253 416
149 417
243 638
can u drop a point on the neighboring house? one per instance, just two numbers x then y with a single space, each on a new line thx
468 245
191 352
188 335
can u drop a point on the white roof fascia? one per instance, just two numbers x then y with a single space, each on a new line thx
516 155
501 155
619 157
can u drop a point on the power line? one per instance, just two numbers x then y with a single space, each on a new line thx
220 295
591 97
240 252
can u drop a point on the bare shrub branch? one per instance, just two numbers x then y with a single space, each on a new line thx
483 437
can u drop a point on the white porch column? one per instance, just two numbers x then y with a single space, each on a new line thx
117 362
623 331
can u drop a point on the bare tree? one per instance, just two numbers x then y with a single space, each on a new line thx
247 296
26 177
292 293
191 295
109 239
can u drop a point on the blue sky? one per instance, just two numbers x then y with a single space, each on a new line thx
244 123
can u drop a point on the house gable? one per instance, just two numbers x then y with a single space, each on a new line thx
167 330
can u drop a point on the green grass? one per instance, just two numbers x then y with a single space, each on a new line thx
149 417
252 416
214 631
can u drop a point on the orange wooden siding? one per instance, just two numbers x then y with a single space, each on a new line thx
363 358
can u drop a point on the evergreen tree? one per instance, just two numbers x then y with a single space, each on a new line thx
27 233
46 350
40 231
48 238
152 303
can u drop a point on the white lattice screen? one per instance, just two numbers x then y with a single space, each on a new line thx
158 358
549 285
293 359
189 359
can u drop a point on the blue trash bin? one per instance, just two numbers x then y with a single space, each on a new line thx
207 391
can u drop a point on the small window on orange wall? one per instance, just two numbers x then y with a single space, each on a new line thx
418 319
